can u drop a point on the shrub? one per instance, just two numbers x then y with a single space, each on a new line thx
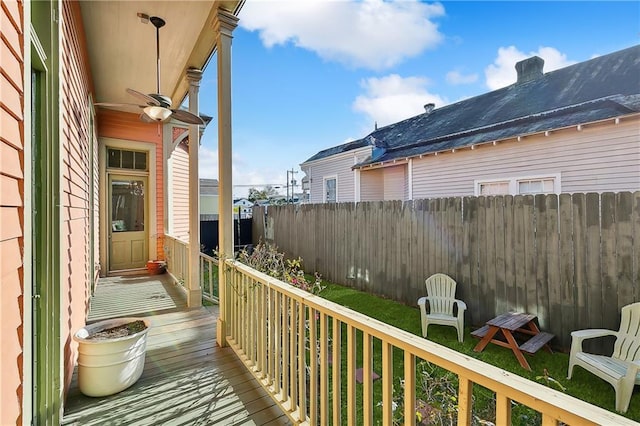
266 258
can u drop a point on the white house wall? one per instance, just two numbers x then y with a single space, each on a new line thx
339 166
372 184
595 159
395 182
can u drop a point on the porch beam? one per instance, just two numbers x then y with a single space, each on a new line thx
223 25
194 292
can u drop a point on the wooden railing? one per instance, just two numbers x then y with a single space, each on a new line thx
209 277
177 254
277 330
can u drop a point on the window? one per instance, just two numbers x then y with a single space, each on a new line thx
330 189
123 159
493 188
535 186
519 185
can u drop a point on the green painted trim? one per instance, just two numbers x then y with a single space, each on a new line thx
45 143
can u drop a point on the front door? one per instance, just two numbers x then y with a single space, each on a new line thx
128 233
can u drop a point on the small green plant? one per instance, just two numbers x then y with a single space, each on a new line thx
550 381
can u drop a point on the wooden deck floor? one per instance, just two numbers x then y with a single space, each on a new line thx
187 380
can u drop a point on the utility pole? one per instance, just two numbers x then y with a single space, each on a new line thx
293 184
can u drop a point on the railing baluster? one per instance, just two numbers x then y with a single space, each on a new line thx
503 409
548 420
324 369
272 334
409 388
313 367
293 352
465 392
351 375
367 384
262 334
278 347
251 332
387 383
336 379
302 361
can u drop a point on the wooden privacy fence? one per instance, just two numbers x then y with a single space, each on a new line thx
571 259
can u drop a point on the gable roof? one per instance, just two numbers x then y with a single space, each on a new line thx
604 87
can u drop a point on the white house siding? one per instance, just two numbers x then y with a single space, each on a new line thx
395 182
598 158
371 185
339 166
180 193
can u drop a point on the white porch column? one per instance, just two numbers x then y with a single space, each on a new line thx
223 26
194 295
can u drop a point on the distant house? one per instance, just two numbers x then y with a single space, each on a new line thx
575 129
208 199
242 208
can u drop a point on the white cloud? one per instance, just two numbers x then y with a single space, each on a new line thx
393 98
374 34
456 78
503 72
244 176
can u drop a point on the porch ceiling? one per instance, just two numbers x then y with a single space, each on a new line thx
122 49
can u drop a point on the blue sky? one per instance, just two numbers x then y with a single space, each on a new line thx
308 75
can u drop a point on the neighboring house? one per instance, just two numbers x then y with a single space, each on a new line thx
87 191
242 208
575 129
209 199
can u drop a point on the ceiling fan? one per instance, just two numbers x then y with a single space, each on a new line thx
157 107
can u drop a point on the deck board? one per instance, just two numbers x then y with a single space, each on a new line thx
187 380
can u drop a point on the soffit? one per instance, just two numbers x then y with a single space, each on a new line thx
122 49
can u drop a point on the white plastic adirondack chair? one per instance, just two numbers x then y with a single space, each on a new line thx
441 295
622 368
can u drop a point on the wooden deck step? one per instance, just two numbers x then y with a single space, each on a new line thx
479 333
532 345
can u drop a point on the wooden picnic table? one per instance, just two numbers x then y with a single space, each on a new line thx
507 324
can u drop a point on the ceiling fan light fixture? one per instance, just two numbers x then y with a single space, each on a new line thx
157 113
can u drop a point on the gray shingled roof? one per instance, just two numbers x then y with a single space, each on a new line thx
601 88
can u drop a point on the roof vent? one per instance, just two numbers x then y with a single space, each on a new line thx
529 69
429 107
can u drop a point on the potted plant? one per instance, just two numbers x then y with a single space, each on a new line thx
111 355
156 267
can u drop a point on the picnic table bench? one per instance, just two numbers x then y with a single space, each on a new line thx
507 324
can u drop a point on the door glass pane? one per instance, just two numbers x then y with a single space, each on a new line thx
127 205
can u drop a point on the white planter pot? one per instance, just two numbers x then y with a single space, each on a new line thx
108 366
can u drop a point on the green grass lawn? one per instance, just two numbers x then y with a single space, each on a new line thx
583 385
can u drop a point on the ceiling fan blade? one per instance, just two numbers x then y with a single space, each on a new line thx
186 117
116 105
146 98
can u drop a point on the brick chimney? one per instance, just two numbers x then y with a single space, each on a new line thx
529 69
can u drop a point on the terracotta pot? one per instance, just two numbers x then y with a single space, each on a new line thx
156 267
108 366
